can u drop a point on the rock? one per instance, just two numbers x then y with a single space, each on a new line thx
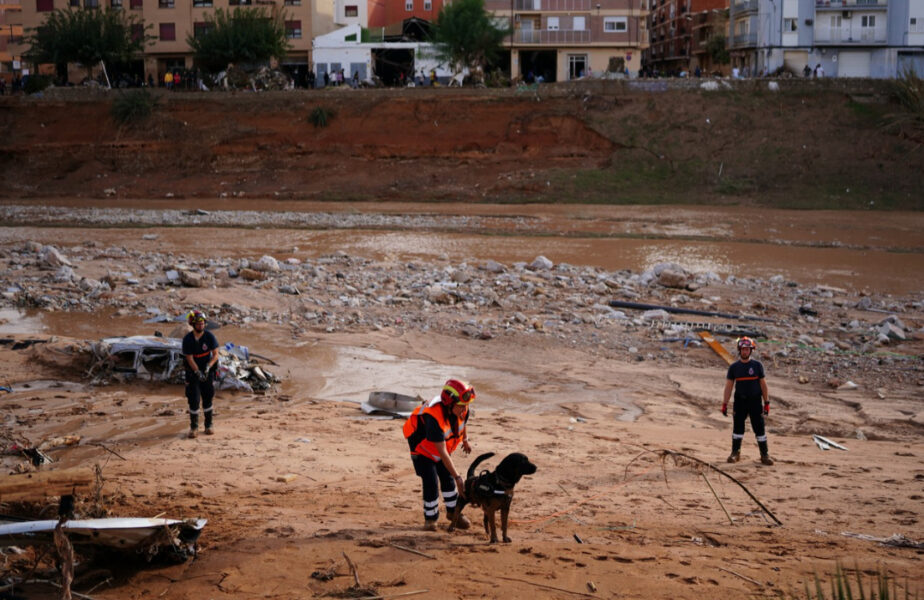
848 385
777 279
865 303
709 86
460 276
672 278
892 332
32 246
110 191
53 257
289 289
773 86
173 275
803 379
192 279
520 317
541 263
251 275
834 383
65 274
656 315
894 321
438 295
494 267
266 263
89 285
150 236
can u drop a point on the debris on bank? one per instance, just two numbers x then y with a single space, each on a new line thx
161 359
391 403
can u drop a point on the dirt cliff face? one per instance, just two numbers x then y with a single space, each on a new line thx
807 146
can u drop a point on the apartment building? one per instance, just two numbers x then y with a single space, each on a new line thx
679 31
848 38
561 40
383 13
11 38
173 21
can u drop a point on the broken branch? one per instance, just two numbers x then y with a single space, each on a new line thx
746 578
412 551
548 587
353 569
103 446
719 500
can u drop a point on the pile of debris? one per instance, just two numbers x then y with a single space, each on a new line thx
161 359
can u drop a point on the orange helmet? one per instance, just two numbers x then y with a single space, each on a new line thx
746 342
193 316
456 391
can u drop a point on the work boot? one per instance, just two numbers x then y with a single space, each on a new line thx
192 434
463 523
765 459
429 525
208 431
734 457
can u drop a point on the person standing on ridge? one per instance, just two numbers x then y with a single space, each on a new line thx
746 376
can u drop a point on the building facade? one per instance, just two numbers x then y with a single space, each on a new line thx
847 38
11 39
383 13
173 21
561 40
679 32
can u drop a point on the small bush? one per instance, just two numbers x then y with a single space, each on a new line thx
321 116
36 83
908 90
133 107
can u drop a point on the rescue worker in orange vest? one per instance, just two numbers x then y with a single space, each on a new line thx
433 431
746 376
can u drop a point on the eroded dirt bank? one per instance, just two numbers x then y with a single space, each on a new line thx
830 144
581 390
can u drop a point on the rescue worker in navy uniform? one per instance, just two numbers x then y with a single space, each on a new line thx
433 431
200 351
746 376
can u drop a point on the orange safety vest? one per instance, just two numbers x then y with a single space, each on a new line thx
435 410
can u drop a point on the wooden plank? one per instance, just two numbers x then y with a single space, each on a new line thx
716 346
42 484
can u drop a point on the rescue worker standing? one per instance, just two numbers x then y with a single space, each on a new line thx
200 351
433 431
746 376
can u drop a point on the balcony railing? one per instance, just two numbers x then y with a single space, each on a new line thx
550 5
825 34
747 5
745 39
851 4
545 36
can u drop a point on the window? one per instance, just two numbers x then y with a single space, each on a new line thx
293 2
44 5
615 24
790 25
428 5
294 30
164 3
351 11
868 21
74 3
578 24
240 2
409 5
136 3
916 25
202 3
200 28
91 3
167 32
116 4
137 32
552 24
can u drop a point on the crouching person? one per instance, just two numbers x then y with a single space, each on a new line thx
434 431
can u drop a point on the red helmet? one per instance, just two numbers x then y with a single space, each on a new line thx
746 342
456 391
193 316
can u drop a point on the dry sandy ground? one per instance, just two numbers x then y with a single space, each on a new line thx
604 516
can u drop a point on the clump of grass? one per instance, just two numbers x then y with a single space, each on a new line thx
321 116
881 587
908 90
133 107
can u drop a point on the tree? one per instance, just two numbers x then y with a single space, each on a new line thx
88 37
717 50
246 35
466 35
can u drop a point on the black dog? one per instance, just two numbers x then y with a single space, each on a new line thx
493 490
